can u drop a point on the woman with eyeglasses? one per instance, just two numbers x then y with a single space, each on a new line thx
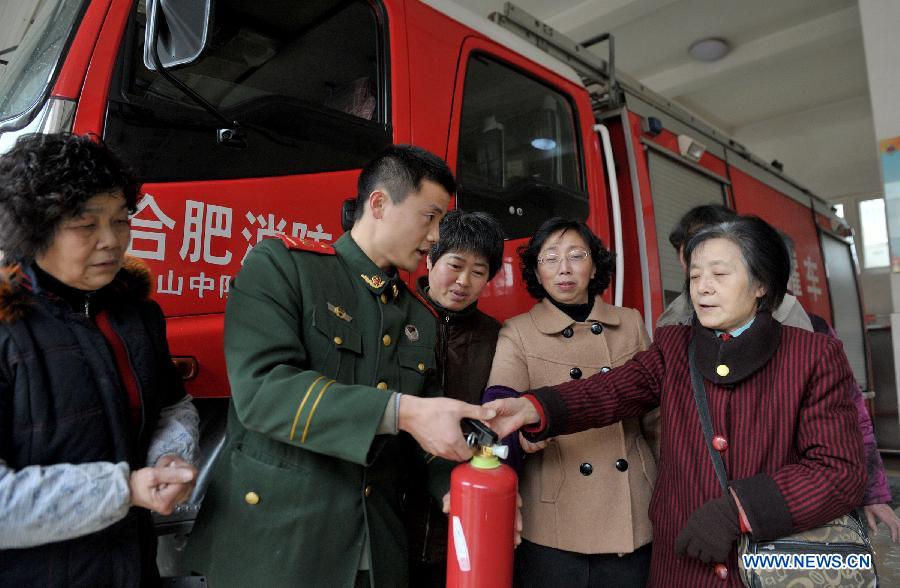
585 496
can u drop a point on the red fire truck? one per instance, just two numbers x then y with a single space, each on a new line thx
252 118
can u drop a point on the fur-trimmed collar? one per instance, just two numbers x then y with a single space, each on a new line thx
17 288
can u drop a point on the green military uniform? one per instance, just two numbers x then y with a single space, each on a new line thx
316 340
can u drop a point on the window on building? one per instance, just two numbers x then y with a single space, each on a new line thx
838 210
518 156
874 233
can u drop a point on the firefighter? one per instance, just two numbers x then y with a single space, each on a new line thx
330 359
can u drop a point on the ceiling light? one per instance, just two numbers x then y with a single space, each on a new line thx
709 49
543 144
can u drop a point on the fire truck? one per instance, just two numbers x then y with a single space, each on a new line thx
248 119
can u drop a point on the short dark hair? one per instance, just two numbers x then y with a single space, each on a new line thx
604 261
477 233
696 219
401 169
45 179
763 252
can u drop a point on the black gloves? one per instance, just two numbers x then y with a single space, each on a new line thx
711 531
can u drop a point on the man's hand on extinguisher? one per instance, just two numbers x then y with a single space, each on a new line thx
446 508
434 423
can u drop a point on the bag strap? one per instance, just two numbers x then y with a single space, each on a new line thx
705 421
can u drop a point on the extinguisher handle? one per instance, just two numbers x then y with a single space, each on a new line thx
478 433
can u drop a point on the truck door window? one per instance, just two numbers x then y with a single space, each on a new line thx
518 154
306 81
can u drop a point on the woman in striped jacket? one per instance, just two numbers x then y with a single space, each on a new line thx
779 401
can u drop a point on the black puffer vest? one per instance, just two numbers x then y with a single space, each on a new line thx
62 401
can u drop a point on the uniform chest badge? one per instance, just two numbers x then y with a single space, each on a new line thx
411 332
373 281
339 312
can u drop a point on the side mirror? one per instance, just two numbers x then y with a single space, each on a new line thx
179 29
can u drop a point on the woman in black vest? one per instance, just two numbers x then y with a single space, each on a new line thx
95 426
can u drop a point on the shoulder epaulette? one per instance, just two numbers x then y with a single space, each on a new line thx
298 244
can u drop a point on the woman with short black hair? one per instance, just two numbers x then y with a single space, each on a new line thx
585 496
95 426
779 403
467 256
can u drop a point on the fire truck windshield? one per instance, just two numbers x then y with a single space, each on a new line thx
32 66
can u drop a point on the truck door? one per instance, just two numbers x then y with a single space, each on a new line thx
309 84
517 149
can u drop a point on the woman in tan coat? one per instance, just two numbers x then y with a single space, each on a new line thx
585 496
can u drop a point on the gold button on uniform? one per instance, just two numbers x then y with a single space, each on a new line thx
367 491
722 370
386 340
251 498
421 367
383 298
381 385
338 340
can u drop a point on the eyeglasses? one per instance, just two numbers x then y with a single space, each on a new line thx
574 256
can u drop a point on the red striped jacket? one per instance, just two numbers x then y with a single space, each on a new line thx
794 453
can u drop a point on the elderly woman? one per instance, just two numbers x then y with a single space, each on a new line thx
95 427
779 402
585 496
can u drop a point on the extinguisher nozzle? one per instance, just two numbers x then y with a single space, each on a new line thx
501 451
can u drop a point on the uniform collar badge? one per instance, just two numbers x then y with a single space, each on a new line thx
411 332
339 312
373 281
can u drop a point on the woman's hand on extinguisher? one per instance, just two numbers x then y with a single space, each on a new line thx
446 508
512 415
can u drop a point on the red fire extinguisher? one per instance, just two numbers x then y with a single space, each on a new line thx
481 536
